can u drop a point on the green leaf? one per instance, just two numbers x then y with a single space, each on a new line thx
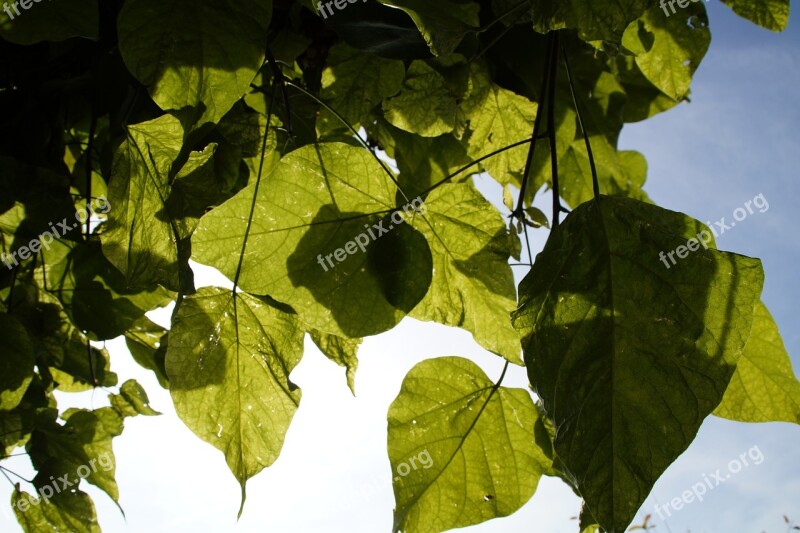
319 199
619 173
764 387
140 237
16 364
472 287
132 400
630 356
593 19
53 21
93 292
425 105
423 161
669 49
343 352
770 14
443 23
229 360
354 82
147 342
202 55
498 118
80 449
462 449
66 511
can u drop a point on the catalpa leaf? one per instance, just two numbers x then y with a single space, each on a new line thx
52 21
16 364
452 436
443 24
425 104
80 449
630 354
770 14
198 54
140 237
321 240
472 286
354 82
132 400
229 360
343 352
764 387
593 19
498 118
65 511
669 49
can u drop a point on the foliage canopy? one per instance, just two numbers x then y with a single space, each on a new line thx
250 136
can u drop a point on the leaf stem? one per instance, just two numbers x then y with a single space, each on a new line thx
537 124
551 129
595 182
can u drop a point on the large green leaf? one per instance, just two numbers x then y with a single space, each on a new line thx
629 354
199 54
669 49
472 286
319 199
229 360
462 449
764 387
16 363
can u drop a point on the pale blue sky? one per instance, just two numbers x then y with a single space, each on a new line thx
737 138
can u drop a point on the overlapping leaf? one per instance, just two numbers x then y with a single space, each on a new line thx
764 387
67 511
16 364
770 14
628 355
354 82
472 286
669 48
443 24
593 19
202 55
319 199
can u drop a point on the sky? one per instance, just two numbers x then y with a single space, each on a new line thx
737 139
